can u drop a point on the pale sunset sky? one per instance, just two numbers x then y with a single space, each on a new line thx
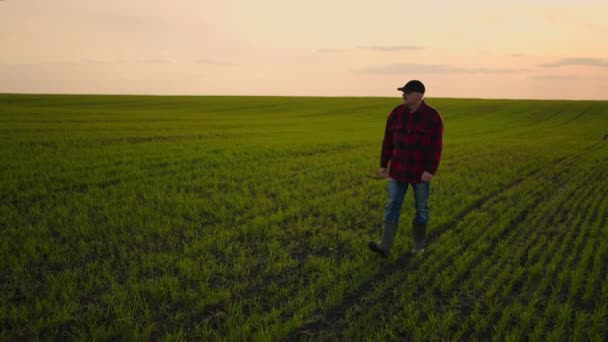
476 49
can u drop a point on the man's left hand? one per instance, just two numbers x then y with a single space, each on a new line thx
426 177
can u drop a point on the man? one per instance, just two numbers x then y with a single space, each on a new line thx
413 140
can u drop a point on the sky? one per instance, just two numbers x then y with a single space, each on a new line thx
474 49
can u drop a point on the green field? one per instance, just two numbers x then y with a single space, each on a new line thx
247 218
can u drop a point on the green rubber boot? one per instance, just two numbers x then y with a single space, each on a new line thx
419 237
388 237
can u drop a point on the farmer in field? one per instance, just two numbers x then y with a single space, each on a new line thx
413 140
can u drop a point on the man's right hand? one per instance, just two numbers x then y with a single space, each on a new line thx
383 172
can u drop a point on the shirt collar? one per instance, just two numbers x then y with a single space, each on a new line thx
418 110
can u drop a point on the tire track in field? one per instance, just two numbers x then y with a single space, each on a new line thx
577 116
595 267
599 146
600 262
368 286
548 117
590 239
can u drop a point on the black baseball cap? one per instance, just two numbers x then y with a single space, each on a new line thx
412 86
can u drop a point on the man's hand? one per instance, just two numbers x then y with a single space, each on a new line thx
383 172
426 177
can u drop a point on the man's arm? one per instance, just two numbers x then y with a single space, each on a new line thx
387 144
436 146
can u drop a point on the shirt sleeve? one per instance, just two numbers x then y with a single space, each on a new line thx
387 143
436 147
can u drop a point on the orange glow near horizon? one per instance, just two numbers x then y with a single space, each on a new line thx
476 49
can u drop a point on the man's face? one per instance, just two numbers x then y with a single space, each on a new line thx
411 99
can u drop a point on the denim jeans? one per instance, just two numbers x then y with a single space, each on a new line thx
396 192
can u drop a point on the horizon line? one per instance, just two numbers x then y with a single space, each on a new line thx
310 96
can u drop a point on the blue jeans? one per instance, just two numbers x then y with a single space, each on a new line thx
396 192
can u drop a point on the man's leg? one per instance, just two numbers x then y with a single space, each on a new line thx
419 223
396 192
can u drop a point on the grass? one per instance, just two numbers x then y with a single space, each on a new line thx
236 218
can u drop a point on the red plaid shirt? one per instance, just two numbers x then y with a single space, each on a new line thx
412 142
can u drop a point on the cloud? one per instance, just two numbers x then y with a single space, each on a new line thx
391 48
597 62
146 61
432 68
554 77
387 48
597 78
87 61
